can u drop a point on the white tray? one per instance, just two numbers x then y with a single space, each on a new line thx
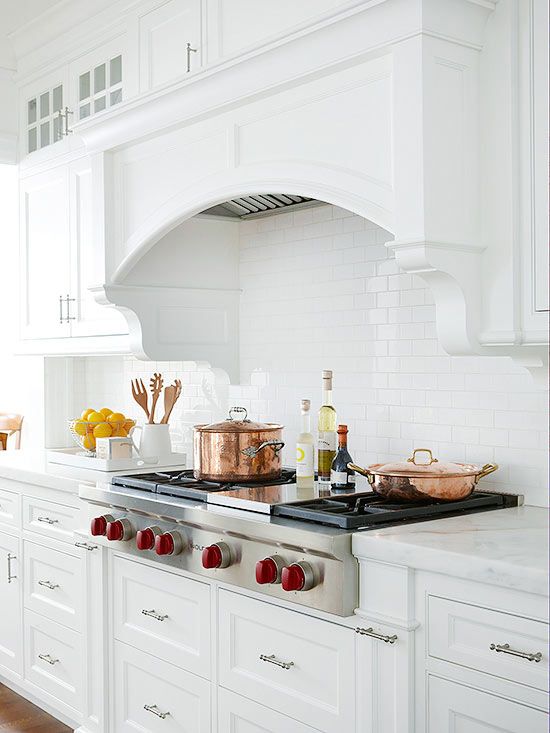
76 457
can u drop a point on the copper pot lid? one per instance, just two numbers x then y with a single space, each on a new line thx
419 469
237 425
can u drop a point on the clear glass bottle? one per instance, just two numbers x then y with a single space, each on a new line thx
342 478
326 448
305 452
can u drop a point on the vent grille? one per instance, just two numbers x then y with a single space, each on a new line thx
264 203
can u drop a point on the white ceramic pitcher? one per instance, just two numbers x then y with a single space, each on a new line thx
154 443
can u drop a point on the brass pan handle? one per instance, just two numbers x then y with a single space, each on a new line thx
412 459
486 470
362 471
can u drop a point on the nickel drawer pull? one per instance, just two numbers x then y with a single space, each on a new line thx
272 659
47 520
155 710
153 614
86 546
48 584
505 648
375 635
48 658
10 576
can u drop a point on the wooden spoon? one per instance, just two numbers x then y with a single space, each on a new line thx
139 393
171 396
156 388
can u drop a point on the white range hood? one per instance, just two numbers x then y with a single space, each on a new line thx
393 109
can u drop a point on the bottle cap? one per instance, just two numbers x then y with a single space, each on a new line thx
305 405
327 373
342 429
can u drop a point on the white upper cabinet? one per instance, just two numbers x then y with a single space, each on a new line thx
170 42
45 254
97 80
41 102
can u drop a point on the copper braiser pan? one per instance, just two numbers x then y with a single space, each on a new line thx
411 481
237 449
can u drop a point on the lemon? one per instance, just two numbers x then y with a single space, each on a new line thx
103 430
88 442
95 417
120 432
79 427
106 411
87 412
116 417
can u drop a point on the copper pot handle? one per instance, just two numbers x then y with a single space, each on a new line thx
362 471
253 450
239 409
486 470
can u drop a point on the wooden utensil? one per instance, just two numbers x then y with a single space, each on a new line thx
171 396
156 388
139 393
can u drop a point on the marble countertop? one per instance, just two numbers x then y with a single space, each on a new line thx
506 547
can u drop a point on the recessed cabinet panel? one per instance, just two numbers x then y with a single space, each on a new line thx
45 253
11 629
239 715
241 27
164 34
10 512
454 708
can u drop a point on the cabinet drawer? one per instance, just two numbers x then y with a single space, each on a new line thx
288 661
151 695
53 584
239 715
463 634
453 708
162 613
50 519
53 659
10 513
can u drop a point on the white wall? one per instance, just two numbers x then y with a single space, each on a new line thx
320 291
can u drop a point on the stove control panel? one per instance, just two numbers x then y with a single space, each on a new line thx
215 556
168 543
120 530
269 570
298 576
145 538
98 525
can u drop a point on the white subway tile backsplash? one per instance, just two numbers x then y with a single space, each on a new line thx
320 290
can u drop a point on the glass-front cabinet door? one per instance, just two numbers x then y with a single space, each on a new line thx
41 105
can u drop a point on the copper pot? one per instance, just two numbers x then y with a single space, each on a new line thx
411 481
237 449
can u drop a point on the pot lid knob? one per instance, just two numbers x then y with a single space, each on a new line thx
239 410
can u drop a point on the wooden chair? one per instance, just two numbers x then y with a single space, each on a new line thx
10 424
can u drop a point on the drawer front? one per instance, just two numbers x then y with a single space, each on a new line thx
463 634
239 715
454 708
53 584
53 659
10 512
50 519
288 661
152 696
163 614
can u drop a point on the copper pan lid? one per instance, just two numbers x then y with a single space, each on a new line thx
233 424
429 469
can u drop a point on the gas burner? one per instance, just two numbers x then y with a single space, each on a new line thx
183 484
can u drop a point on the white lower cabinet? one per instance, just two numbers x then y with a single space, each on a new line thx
236 714
151 695
11 630
288 661
53 659
455 708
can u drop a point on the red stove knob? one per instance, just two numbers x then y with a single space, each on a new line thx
98 525
298 576
269 570
145 538
217 555
169 543
120 529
